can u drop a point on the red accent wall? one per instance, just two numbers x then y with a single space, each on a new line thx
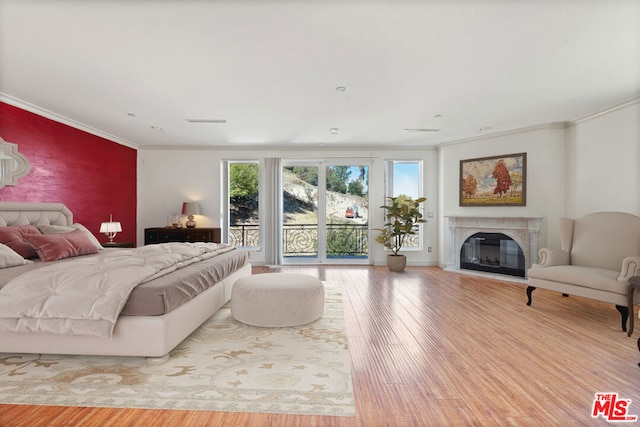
92 176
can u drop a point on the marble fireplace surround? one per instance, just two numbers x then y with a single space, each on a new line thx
523 230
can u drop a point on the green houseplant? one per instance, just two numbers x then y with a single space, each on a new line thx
401 215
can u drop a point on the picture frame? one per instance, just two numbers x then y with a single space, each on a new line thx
494 181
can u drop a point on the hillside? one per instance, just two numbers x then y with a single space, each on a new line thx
300 203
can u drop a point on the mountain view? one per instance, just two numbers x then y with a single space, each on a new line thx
300 203
345 192
347 207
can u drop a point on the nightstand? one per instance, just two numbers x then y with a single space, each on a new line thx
166 235
117 245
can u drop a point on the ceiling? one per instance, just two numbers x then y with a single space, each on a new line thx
273 69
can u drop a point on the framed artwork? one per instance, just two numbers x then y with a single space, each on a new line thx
494 181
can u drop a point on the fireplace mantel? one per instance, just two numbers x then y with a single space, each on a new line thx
524 230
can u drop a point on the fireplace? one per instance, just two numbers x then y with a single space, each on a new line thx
496 232
492 253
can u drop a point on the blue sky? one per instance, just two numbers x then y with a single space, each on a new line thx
355 174
406 179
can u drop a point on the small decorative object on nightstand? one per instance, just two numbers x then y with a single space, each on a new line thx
190 209
110 229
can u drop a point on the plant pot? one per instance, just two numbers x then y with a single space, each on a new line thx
396 262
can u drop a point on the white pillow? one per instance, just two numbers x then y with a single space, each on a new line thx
55 229
9 258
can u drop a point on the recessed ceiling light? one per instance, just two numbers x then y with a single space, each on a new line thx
131 114
206 120
333 131
341 88
421 130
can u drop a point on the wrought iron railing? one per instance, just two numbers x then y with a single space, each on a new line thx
343 240
244 235
412 240
300 240
347 240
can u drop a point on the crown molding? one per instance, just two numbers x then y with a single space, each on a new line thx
544 126
290 148
8 99
610 109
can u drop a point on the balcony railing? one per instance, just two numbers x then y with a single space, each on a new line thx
245 235
343 240
347 240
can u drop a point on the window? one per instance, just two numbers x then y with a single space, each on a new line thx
243 203
325 211
405 177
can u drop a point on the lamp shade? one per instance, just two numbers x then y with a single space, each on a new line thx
190 208
110 227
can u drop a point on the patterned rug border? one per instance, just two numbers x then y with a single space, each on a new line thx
250 369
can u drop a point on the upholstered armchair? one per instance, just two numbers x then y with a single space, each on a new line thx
599 253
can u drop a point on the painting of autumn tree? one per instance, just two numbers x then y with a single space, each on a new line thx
494 181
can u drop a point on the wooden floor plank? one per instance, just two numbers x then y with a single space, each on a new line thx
430 347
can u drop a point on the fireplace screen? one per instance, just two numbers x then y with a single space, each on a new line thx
494 253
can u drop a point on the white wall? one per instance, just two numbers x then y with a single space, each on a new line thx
545 178
167 177
603 158
591 165
573 169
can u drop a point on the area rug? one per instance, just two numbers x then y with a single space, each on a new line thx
223 366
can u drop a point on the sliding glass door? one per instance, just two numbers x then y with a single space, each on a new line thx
346 213
300 207
325 212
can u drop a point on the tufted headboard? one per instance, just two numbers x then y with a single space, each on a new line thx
25 213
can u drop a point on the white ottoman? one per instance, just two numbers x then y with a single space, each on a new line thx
277 299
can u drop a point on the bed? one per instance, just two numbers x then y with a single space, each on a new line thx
158 314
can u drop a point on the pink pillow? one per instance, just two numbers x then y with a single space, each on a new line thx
52 247
13 237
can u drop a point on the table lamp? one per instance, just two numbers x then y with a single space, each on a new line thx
110 229
190 209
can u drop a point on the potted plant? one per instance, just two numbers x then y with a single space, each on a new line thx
401 215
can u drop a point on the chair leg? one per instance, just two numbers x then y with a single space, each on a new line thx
632 290
624 313
529 290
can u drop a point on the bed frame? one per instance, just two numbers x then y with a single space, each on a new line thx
152 337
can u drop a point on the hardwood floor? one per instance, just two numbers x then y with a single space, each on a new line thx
434 348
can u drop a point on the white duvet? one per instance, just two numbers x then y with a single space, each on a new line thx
84 295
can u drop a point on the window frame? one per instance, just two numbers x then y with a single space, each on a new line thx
389 180
226 202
